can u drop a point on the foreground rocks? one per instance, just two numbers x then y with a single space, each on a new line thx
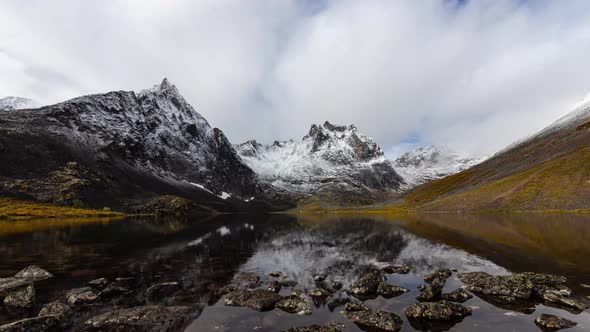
367 285
331 327
399 268
259 299
33 273
295 304
372 320
23 298
440 311
36 324
553 323
143 318
458 295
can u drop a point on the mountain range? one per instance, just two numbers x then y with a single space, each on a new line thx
17 103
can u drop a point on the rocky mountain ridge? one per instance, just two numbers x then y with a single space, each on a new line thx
16 103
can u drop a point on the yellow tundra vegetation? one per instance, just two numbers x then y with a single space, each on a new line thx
16 208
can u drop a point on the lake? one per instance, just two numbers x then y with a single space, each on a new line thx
206 254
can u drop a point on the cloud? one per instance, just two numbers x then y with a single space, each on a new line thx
474 75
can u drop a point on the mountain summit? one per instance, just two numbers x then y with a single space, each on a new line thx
17 103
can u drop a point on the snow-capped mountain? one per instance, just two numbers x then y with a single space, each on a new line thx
17 103
425 164
328 158
123 144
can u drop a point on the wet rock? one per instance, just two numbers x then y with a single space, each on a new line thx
553 323
515 286
224 290
294 304
247 280
83 295
275 274
438 311
331 327
319 277
335 303
115 288
398 268
23 298
157 292
373 320
99 284
319 292
366 285
288 283
259 299
458 295
143 318
36 324
336 285
441 274
296 292
9 285
355 306
429 294
274 286
568 303
388 290
56 308
33 273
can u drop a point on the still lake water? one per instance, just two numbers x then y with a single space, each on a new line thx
207 253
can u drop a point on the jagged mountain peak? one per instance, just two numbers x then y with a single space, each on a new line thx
17 103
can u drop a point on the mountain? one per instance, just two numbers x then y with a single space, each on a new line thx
331 161
120 149
548 170
425 164
17 103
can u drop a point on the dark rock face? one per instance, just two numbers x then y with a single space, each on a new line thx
33 273
553 323
144 318
372 320
37 324
259 300
295 304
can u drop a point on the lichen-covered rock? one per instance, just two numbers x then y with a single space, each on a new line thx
294 304
374 320
274 286
330 327
144 318
23 298
398 268
259 299
83 295
429 293
55 308
33 273
319 292
443 274
9 285
439 311
367 284
516 286
458 295
36 324
388 290
355 306
568 303
553 323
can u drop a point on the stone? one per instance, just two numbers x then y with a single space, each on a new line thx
367 284
398 268
247 280
36 324
275 274
115 288
23 298
288 283
224 290
553 323
570 304
355 306
274 286
388 290
98 284
458 295
330 327
373 320
319 292
515 286
9 285
429 294
443 274
336 285
143 318
294 304
83 295
259 299
157 292
439 311
56 308
33 273
319 277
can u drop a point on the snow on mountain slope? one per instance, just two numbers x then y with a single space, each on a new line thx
17 103
329 155
429 163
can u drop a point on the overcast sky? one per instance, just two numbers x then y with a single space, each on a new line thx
472 75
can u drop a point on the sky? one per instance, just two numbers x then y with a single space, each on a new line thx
470 75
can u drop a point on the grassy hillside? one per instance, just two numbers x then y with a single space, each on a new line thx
16 208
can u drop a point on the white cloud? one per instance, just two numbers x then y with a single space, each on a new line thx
474 76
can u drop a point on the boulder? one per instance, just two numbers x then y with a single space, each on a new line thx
83 295
56 308
553 323
438 311
319 277
259 299
560 301
157 292
442 274
9 285
458 295
429 294
515 286
330 327
294 304
319 292
98 284
366 285
372 320
388 290
33 273
115 288
274 286
398 268
23 298
36 324
275 274
247 280
144 318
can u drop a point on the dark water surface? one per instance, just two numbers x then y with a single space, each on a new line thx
205 254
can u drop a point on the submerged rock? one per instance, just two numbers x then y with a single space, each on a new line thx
330 327
295 304
144 318
23 298
36 324
288 283
83 295
458 295
553 323
388 290
367 285
439 311
56 308
398 268
33 273
259 299
372 320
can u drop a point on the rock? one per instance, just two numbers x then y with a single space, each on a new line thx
443 274
162 290
99 284
366 285
288 283
319 277
247 280
294 304
143 318
23 298
373 320
319 292
36 324
56 308
335 303
81 295
259 299
439 311
355 306
388 290
224 290
399 268
115 288
9 285
585 285
331 327
274 286
570 304
33 273
515 286
553 323
429 294
275 274
458 295
336 285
